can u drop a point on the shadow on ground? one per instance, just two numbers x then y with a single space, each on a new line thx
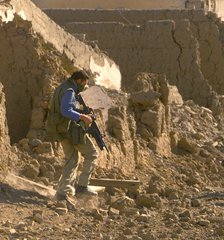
10 195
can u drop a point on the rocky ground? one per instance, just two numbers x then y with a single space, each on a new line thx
181 195
173 147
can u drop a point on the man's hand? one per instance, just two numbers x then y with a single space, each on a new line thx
87 119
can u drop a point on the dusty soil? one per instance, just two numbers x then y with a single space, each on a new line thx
174 147
181 196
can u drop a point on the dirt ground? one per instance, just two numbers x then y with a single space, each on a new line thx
180 197
175 148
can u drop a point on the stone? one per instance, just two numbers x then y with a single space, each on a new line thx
185 216
170 216
12 231
97 215
38 218
187 145
21 226
31 171
61 204
219 230
149 200
149 98
122 203
61 210
203 223
174 96
35 142
135 237
113 212
127 231
143 218
107 238
45 147
47 170
154 119
195 203
130 212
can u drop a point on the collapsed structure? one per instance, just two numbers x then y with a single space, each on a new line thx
216 6
164 57
32 62
164 128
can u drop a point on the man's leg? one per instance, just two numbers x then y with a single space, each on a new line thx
68 177
90 154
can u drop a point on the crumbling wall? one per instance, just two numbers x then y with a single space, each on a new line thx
20 70
216 6
31 66
65 43
157 47
24 72
5 148
4 138
134 16
198 37
110 4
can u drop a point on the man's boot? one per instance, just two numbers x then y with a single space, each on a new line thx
82 190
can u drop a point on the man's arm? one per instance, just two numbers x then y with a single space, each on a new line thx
67 109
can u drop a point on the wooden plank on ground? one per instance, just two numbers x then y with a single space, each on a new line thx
26 184
105 182
96 184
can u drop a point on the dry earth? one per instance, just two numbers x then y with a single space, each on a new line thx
181 195
174 147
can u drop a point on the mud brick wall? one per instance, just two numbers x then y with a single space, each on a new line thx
110 4
134 16
62 41
31 60
6 155
4 138
157 47
125 34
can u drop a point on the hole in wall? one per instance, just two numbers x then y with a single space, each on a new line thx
18 109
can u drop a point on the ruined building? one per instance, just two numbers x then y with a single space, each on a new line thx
165 53
157 89
216 6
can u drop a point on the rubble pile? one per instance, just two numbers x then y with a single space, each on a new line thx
172 145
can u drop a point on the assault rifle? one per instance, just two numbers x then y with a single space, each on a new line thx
93 130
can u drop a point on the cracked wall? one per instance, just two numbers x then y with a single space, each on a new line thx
64 42
157 47
216 6
4 139
7 156
19 75
189 49
32 63
110 4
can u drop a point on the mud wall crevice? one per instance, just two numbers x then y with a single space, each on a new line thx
33 60
199 33
6 156
163 46
24 71
14 48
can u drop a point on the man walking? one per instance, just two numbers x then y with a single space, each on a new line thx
67 124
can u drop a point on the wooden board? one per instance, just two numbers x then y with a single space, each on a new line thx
95 184
105 182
